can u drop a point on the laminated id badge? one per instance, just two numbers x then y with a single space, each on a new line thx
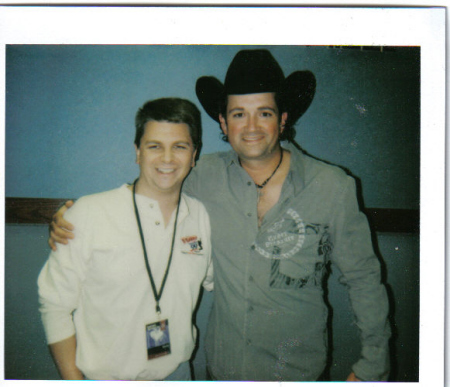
158 339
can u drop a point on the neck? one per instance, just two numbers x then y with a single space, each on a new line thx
167 200
264 166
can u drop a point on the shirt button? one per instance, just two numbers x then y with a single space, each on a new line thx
151 205
249 214
249 342
253 247
249 183
250 308
157 222
250 278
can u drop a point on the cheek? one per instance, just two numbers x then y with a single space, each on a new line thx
233 133
146 159
275 129
187 161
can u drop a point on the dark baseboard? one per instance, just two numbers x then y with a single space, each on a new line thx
40 211
31 210
394 220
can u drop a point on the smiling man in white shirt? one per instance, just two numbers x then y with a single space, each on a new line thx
141 255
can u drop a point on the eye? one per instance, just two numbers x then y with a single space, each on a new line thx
237 115
266 114
181 147
153 146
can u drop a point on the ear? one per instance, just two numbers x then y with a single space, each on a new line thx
193 159
138 153
284 117
223 124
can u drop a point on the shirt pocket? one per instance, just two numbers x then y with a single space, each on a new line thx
308 262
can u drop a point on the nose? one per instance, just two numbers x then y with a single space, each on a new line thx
252 123
167 156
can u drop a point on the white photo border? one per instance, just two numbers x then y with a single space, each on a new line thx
289 25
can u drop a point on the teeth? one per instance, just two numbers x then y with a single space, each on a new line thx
166 170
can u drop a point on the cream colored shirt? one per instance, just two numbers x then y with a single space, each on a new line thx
100 278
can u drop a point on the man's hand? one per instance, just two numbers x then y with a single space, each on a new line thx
60 229
352 378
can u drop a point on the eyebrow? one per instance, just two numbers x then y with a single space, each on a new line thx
159 142
260 108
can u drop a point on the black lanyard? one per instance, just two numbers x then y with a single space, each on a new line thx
156 294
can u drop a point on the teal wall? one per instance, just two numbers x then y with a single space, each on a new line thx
70 112
69 132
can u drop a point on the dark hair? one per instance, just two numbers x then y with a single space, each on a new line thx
174 110
288 133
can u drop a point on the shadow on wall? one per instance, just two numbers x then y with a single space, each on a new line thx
399 257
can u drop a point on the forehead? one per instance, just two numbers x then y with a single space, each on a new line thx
257 100
166 131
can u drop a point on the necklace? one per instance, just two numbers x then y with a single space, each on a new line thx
261 186
157 295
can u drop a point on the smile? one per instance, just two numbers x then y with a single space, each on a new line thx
252 138
165 170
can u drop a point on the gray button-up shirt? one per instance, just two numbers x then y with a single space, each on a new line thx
268 320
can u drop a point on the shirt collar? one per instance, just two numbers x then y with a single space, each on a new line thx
184 206
296 173
233 158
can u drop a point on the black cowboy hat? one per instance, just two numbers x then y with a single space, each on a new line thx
257 71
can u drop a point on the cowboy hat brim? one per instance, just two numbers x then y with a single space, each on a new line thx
209 92
296 94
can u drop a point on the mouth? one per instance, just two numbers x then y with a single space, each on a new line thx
165 171
252 139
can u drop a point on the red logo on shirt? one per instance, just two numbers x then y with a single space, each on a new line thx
195 244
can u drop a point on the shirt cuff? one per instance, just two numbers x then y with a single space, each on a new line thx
374 364
57 328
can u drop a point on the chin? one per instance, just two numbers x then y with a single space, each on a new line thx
255 153
169 189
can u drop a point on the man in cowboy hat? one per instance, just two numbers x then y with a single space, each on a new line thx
278 217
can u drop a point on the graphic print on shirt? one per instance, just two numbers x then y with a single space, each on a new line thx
298 251
194 244
294 275
285 238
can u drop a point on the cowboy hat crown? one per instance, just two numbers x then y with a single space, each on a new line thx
257 71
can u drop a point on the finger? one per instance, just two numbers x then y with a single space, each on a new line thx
63 224
63 234
51 244
58 221
60 231
58 217
58 239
